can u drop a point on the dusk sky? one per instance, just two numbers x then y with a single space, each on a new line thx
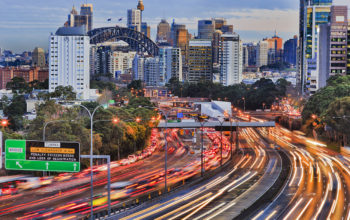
25 24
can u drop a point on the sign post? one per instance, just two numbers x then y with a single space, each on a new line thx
42 156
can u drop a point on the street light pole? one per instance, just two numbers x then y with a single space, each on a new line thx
91 155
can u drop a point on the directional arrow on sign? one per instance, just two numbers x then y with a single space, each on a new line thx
17 163
47 165
75 166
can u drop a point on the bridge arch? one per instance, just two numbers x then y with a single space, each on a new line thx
136 40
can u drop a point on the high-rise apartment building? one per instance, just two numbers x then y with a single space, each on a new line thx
338 40
121 62
69 60
262 53
134 19
163 32
231 59
170 59
206 29
245 57
216 46
84 18
138 67
38 57
152 71
200 61
290 51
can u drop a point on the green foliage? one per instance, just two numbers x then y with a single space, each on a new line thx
101 85
337 87
64 93
263 91
334 115
18 85
15 111
136 85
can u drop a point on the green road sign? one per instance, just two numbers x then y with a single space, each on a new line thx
42 156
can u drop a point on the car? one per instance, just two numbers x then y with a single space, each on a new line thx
132 158
46 180
8 190
124 162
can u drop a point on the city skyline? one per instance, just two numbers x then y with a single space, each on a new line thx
253 20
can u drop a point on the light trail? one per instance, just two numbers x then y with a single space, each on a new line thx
304 209
292 210
322 205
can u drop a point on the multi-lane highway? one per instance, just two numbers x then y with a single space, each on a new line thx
274 174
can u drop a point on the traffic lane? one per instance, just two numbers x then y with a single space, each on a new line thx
187 159
31 200
186 197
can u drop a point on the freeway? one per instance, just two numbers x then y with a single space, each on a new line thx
225 195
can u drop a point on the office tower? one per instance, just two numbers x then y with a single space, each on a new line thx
252 50
290 51
205 29
134 19
262 53
216 46
140 6
38 57
145 29
230 59
180 38
227 29
152 71
319 78
138 67
275 49
219 23
312 15
170 64
338 40
1 52
245 55
163 32
69 60
348 62
121 62
84 18
86 10
200 61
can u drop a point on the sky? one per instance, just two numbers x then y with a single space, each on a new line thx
26 24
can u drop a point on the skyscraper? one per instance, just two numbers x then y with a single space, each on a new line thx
180 38
206 29
312 14
69 60
230 59
338 40
170 64
262 53
219 23
290 51
134 19
138 67
84 18
38 57
145 29
200 61
163 32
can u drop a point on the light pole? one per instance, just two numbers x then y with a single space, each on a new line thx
166 114
202 146
221 123
91 115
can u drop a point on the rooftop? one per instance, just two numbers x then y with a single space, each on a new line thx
71 31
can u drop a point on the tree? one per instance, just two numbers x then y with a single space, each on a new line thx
15 112
64 93
18 85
